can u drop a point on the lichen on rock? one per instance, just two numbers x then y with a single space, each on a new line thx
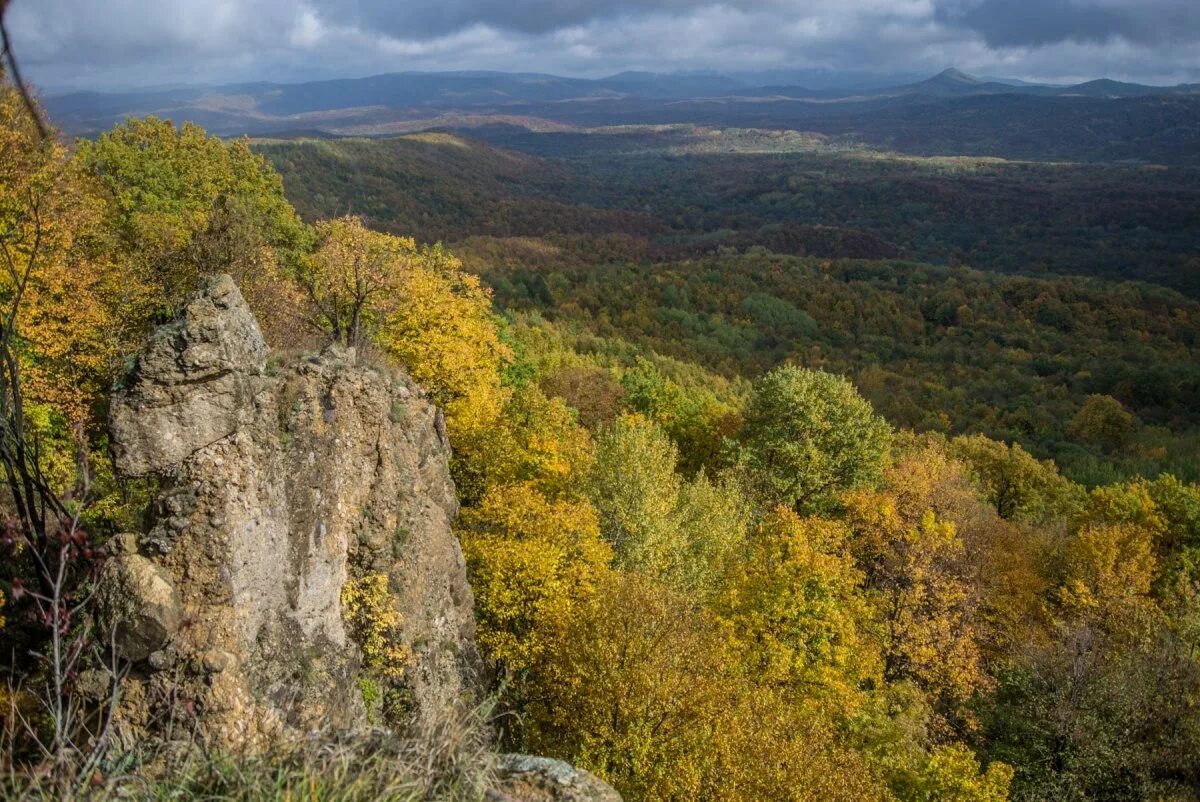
278 490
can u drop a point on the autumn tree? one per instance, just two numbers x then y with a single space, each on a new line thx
531 559
181 204
591 392
1018 485
352 278
694 418
442 329
915 574
534 440
1102 420
795 602
645 692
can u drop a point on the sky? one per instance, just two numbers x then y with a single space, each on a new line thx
120 44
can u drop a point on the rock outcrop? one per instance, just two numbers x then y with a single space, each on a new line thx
299 570
525 778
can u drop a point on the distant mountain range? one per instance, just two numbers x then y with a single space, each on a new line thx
404 102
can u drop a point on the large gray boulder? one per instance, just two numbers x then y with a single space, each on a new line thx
286 489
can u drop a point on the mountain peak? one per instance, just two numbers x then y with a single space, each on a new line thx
956 75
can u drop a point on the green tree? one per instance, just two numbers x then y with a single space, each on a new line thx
809 434
168 185
1018 485
678 530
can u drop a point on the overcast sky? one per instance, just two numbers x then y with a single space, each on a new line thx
125 43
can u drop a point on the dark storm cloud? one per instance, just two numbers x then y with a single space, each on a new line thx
433 17
1009 23
111 43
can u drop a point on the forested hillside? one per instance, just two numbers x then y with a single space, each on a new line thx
950 113
740 525
742 250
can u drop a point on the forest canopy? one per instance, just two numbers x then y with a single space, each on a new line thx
744 527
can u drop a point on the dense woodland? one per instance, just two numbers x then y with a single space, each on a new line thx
741 525
960 295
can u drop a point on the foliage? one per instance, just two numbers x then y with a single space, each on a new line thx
368 608
170 193
536 439
698 587
1104 420
677 722
531 560
799 617
352 275
443 331
953 774
920 581
1017 484
808 435
682 531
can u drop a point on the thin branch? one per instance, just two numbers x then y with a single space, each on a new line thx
15 70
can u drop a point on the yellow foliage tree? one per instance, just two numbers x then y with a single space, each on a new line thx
1002 560
444 331
419 307
797 612
925 603
531 559
953 775
70 330
535 440
639 687
352 278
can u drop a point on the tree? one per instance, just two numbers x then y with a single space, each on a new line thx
164 185
798 614
593 393
693 417
915 572
531 560
953 775
352 278
681 531
535 440
809 434
1103 420
636 490
419 307
642 689
1003 562
59 289
442 329
1018 485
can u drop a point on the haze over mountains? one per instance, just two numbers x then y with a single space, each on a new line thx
973 111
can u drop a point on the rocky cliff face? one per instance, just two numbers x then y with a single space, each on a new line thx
300 569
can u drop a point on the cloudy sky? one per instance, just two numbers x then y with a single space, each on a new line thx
125 43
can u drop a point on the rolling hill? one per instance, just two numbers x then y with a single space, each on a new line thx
951 113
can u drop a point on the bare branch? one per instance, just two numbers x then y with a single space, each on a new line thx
15 70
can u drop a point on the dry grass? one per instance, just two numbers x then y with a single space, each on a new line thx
442 760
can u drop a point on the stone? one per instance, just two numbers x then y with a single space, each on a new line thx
525 778
162 418
276 490
141 605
